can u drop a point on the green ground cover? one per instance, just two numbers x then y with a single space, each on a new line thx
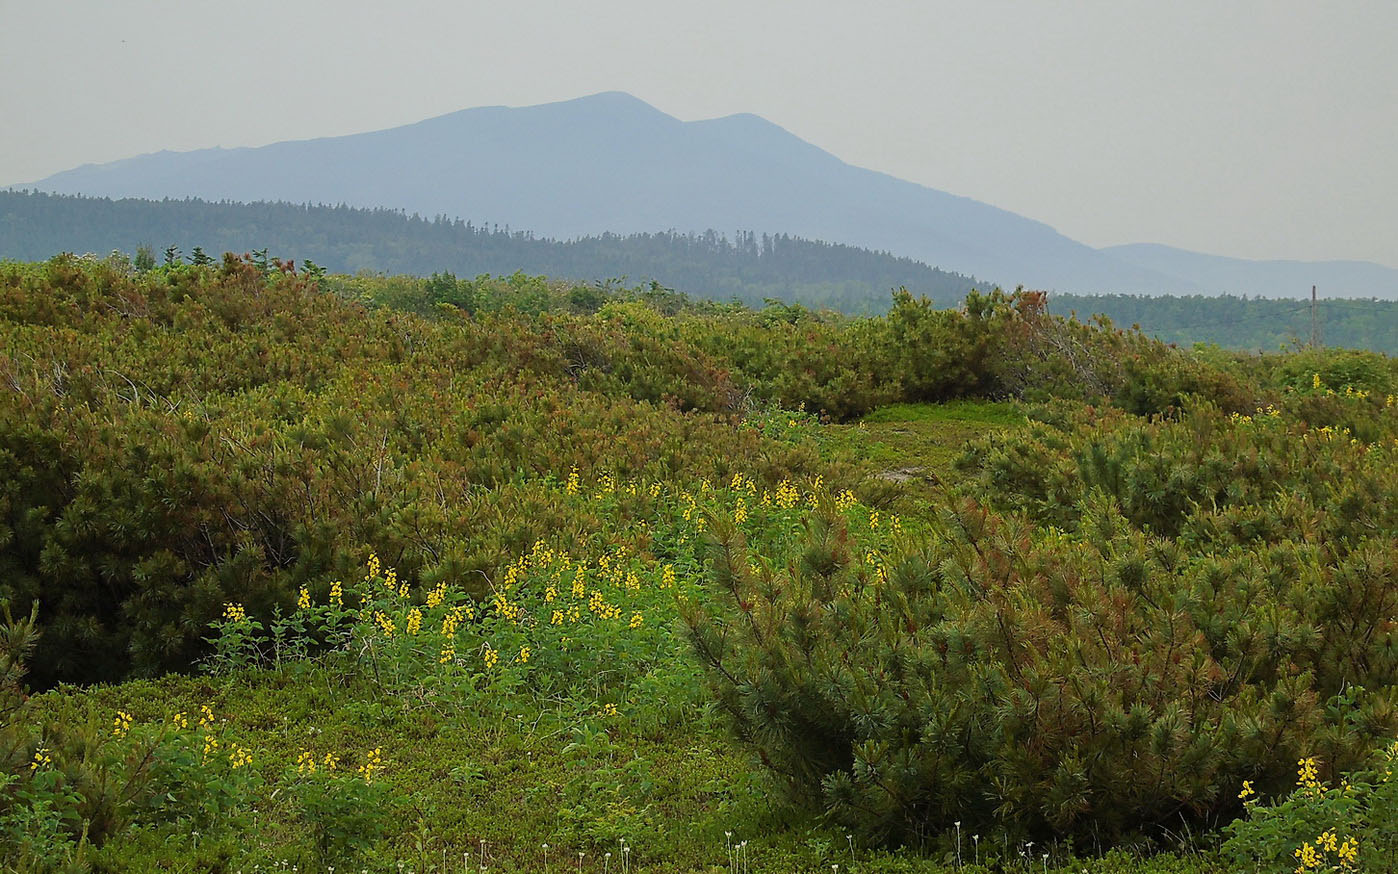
391 575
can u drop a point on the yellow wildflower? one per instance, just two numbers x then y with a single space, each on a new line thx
305 763
386 624
1307 856
121 724
436 596
303 600
490 657
414 623
371 764
524 655
1348 851
42 759
1306 773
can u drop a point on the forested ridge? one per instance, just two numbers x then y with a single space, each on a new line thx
747 266
741 265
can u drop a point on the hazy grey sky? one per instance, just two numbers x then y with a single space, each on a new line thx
1256 129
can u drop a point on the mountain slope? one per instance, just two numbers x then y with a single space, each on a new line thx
1225 275
612 163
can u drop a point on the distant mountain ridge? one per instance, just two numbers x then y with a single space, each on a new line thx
612 163
1274 278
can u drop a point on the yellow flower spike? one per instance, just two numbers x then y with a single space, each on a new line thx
490 657
448 655
667 577
571 487
303 599
414 623
180 721
371 764
42 759
305 763
609 710
1348 851
637 620
337 594
1248 791
331 761
523 655
556 618
234 612
206 716
239 757
121 724
1306 773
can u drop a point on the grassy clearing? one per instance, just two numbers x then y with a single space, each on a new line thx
909 450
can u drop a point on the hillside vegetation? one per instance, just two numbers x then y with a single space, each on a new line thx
436 574
750 268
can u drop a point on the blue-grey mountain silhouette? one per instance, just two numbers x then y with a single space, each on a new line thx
612 163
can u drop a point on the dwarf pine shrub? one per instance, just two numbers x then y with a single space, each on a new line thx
1123 621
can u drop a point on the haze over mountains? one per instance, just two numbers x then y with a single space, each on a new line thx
612 163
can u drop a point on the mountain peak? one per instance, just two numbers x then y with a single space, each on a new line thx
611 162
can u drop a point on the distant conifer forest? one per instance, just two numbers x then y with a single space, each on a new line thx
745 266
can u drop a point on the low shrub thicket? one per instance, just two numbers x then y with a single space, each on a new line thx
1120 622
174 438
